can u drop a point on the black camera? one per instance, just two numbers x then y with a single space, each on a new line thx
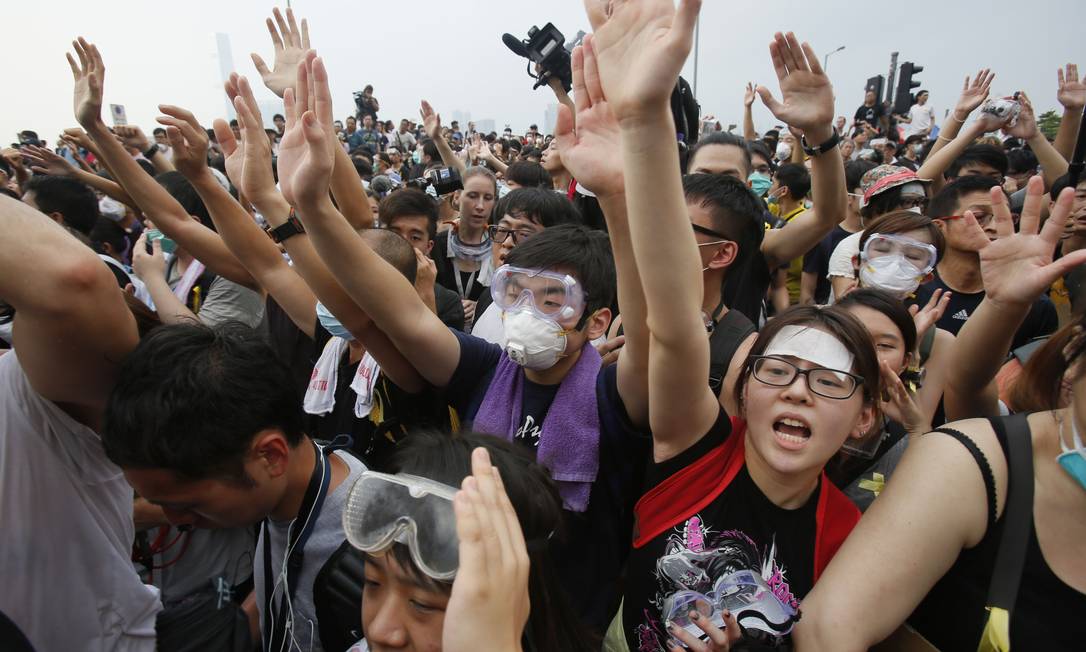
442 180
547 48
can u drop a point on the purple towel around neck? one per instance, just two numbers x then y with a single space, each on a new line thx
569 443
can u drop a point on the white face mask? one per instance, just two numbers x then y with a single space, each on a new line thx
892 273
533 342
784 152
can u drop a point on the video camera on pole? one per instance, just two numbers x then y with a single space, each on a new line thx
443 180
546 47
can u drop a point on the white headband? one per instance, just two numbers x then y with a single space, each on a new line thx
812 345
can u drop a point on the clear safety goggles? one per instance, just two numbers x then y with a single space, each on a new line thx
919 254
550 294
745 594
385 509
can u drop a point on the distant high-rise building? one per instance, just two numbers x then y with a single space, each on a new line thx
461 117
484 126
226 66
550 119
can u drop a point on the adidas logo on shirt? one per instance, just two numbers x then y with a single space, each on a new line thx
961 314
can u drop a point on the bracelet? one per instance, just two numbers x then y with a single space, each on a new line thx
955 119
942 137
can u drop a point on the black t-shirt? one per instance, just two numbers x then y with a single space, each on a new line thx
870 114
536 402
817 261
293 347
592 551
685 544
449 308
1041 320
394 412
446 271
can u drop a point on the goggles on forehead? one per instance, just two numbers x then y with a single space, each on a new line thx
385 509
919 254
550 294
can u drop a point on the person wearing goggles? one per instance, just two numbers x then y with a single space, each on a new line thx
431 580
538 308
898 252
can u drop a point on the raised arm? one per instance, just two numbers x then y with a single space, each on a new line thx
1016 269
640 49
1053 164
431 121
593 155
132 136
44 161
973 95
1072 95
748 114
306 158
152 199
72 327
806 105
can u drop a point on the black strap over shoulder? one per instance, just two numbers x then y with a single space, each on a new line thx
337 597
985 469
1017 514
728 335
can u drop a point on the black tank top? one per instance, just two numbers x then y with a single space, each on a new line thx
1048 614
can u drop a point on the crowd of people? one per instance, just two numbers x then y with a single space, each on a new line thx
366 385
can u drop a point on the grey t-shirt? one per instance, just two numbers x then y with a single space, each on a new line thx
206 556
225 301
326 538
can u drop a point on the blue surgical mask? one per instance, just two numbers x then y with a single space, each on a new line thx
760 183
1073 460
331 324
416 156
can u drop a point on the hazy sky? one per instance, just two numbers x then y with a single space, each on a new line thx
451 52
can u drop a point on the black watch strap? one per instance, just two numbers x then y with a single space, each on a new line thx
833 141
151 151
290 228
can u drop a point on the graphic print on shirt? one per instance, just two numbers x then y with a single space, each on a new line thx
707 571
528 432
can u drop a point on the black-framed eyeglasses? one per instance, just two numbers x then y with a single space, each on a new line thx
829 383
500 234
707 231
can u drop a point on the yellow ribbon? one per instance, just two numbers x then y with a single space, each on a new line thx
996 636
875 484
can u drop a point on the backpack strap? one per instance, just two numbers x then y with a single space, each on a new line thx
1017 526
728 335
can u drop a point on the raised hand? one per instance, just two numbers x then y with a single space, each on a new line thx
641 46
307 150
248 163
806 93
1072 92
291 45
748 95
132 136
79 138
44 161
148 266
188 140
898 404
926 317
490 593
1025 127
591 153
1018 267
89 74
431 121
973 93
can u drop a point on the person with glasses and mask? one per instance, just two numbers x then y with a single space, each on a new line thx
524 212
958 271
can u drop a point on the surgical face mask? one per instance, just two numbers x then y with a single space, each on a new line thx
111 209
893 273
331 324
759 183
416 156
784 152
532 341
1073 459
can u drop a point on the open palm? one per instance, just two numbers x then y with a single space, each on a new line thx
1018 267
43 161
291 44
1072 91
89 74
973 93
591 153
248 164
641 47
306 154
806 93
431 120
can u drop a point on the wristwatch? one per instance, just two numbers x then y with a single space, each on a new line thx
290 228
151 151
824 147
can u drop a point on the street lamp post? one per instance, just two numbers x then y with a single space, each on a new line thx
826 59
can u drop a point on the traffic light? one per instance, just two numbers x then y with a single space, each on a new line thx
876 84
903 98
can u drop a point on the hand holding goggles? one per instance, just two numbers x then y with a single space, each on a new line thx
920 255
551 295
385 509
745 594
